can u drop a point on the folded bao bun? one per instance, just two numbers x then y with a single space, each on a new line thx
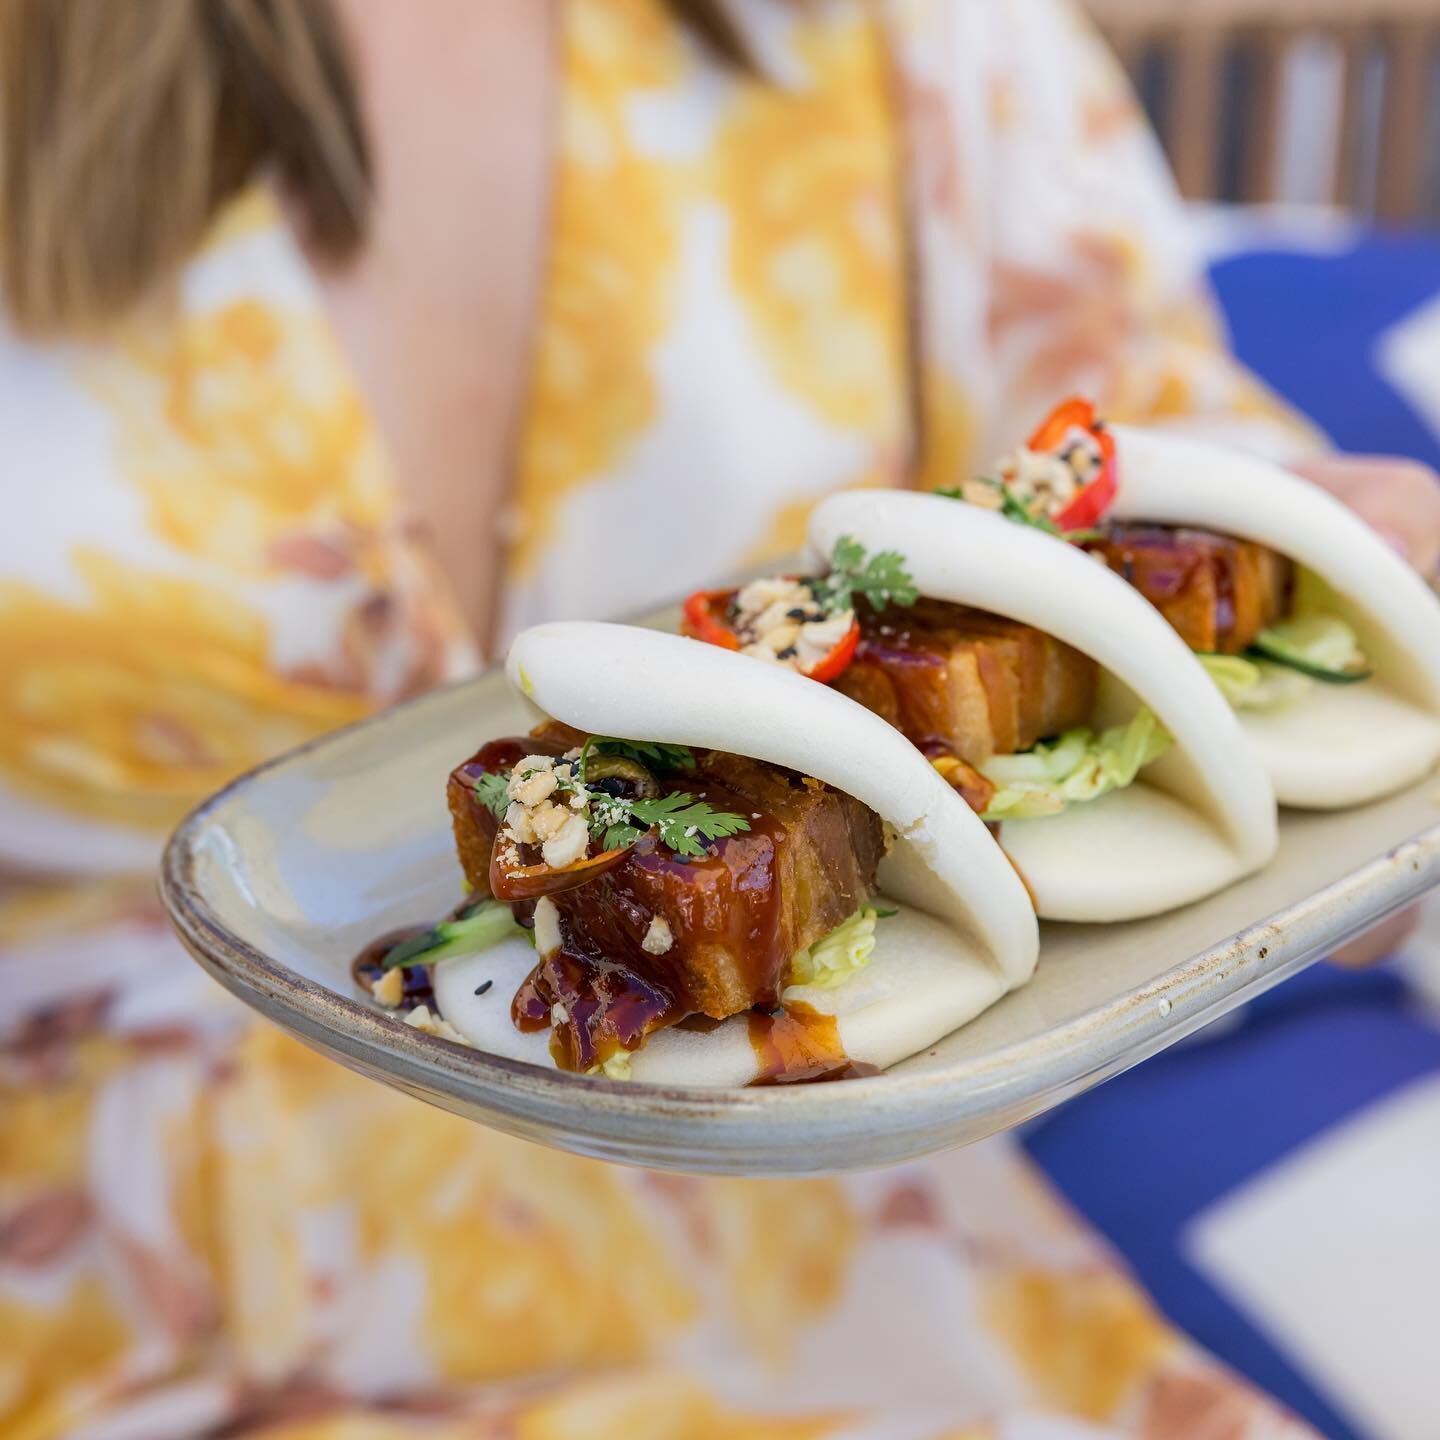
1340 745
965 933
1195 820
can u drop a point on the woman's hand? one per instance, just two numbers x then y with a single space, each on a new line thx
1400 499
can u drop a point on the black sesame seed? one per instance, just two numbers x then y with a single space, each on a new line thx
798 613
788 653
483 986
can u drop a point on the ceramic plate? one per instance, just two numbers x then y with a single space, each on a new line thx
279 880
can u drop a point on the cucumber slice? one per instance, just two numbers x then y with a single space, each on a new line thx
1320 646
479 929
1253 684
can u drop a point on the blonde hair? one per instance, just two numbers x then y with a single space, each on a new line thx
126 124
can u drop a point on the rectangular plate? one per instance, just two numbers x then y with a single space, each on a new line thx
278 881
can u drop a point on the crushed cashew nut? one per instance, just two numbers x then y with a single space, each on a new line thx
1047 481
425 1020
389 989
547 926
549 808
780 620
659 937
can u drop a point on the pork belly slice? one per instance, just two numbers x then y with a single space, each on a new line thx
968 682
735 916
1216 591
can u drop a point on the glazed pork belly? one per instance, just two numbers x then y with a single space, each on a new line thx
1217 592
965 682
732 919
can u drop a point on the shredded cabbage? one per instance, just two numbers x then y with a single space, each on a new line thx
1254 684
1078 766
835 957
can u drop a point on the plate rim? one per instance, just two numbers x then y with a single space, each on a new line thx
1131 1025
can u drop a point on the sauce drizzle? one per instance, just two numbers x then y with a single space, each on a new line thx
795 1045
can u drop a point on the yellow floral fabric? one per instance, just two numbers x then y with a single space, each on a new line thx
873 261
879 259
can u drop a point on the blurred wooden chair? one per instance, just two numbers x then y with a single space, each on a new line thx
1214 75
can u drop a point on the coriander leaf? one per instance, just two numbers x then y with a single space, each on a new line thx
619 835
608 815
685 822
882 579
491 791
1013 509
848 555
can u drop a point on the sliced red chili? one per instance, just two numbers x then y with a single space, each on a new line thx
1090 504
829 667
1076 413
704 617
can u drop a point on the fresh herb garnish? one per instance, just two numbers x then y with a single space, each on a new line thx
881 579
492 790
654 754
1013 508
685 824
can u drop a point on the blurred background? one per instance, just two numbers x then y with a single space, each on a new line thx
1307 134
1313 102
208 555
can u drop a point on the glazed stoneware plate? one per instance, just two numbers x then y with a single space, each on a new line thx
278 881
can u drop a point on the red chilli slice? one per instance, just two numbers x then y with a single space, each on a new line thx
1090 504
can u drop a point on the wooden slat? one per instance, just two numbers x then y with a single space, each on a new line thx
1259 177
1194 122
1409 55
1130 44
1356 44
1388 170
1284 14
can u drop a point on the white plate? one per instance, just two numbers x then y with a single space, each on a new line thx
275 883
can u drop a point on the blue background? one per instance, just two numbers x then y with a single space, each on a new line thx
1145 1154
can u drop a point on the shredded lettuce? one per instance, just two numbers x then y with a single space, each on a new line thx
1254 684
835 957
1078 766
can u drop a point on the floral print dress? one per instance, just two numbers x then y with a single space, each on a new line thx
875 263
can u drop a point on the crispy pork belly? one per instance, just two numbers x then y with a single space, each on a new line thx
1217 592
967 682
732 920
738 916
